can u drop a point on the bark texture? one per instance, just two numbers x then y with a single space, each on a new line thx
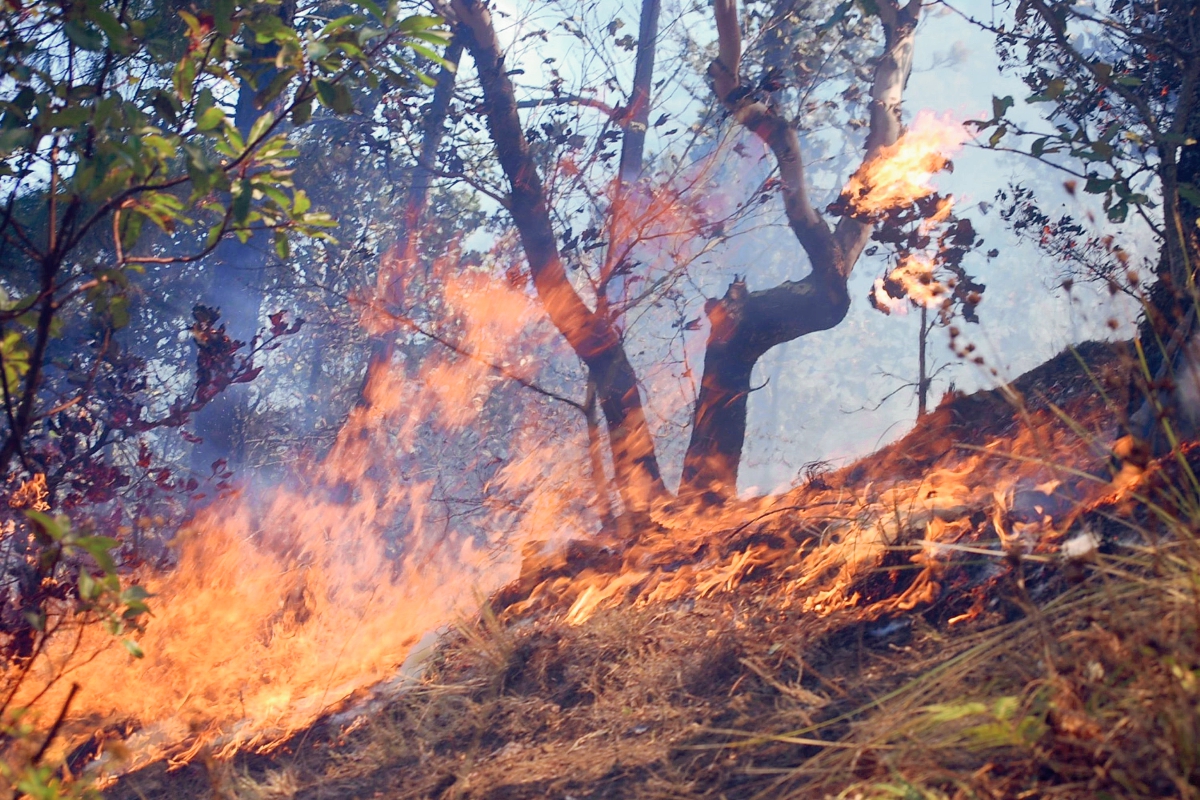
743 325
591 335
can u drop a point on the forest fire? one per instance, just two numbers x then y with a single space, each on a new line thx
413 448
915 275
1015 484
902 172
282 604
285 600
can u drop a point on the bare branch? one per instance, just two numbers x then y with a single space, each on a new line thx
572 100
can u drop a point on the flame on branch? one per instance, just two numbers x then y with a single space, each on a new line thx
903 172
914 278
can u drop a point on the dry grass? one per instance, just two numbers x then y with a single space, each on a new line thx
1001 675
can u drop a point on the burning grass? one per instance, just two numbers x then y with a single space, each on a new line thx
909 626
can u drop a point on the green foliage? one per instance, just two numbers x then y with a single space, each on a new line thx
118 119
125 141
99 594
100 598
1112 121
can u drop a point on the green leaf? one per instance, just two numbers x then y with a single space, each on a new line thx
131 230
999 134
54 527
184 78
134 592
418 22
241 200
300 202
261 126
160 145
335 97
100 548
432 56
134 648
275 88
192 23
222 11
338 24
118 312
16 359
14 139
282 248
68 117
118 37
82 36
89 589
1001 105
214 234
302 113
275 193
233 140
210 119
371 8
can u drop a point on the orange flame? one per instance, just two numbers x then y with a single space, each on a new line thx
285 602
916 274
280 607
903 172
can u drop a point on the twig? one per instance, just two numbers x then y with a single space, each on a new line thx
62 715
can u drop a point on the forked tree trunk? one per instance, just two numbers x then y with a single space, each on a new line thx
590 334
744 325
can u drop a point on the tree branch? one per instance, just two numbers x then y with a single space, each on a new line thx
777 133
887 93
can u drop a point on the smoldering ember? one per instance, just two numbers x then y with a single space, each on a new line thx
599 399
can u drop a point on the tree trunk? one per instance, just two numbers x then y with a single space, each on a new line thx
236 287
1167 330
744 325
405 255
590 334
923 380
633 142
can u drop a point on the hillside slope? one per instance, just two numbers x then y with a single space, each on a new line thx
969 612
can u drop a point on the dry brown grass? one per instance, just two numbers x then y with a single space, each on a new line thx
1025 675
